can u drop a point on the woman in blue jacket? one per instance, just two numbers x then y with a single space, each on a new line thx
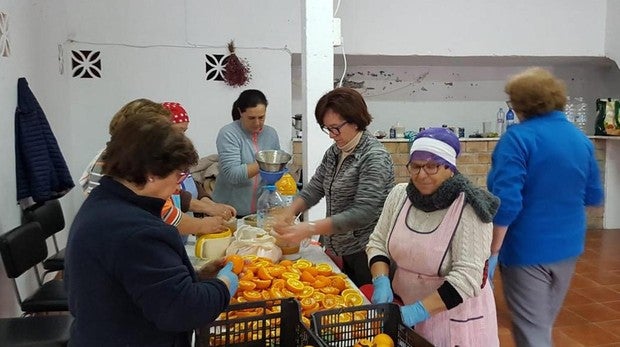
545 173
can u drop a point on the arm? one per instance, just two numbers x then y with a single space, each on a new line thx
211 208
191 225
229 148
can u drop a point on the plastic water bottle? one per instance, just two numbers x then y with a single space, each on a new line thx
267 206
510 118
501 116
287 187
581 113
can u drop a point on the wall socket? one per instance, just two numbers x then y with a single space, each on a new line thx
336 32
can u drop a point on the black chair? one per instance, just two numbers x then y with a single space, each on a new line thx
48 331
22 249
52 220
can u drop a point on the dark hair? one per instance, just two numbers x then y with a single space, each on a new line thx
348 103
147 144
536 91
247 99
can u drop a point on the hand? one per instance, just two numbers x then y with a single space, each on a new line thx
210 269
211 225
220 210
293 233
491 267
229 278
382 291
414 314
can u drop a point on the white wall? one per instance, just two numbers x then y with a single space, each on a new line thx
612 32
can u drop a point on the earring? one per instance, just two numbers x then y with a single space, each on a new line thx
151 179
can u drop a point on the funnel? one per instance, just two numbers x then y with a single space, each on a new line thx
270 178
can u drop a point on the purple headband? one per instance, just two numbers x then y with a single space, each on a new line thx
439 145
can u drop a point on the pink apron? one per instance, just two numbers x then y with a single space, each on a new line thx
419 256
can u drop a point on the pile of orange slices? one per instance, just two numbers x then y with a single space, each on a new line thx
315 286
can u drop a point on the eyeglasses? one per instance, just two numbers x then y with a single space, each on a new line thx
182 175
334 130
429 168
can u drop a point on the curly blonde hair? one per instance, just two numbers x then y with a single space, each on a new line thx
134 107
536 91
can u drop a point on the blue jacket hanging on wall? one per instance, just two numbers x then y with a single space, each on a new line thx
41 170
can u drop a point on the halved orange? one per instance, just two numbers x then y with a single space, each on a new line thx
246 285
287 275
246 275
338 282
287 293
278 283
306 321
237 262
302 264
275 293
263 274
318 296
276 270
306 292
261 284
330 290
329 301
353 299
250 257
265 294
349 290
307 303
252 295
307 277
294 285
324 269
286 262
312 270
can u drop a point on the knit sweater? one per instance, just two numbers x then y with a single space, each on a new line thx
463 265
354 194
544 171
128 277
237 148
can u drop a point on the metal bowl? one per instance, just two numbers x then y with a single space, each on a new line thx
272 160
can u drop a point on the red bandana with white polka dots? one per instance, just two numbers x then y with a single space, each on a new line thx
179 115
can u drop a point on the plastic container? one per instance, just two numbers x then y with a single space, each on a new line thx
345 326
259 323
213 246
510 118
499 122
268 205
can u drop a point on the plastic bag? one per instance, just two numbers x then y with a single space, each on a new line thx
251 240
607 117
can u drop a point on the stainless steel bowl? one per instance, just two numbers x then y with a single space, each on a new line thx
272 160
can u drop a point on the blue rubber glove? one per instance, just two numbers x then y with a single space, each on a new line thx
491 270
382 291
229 277
414 314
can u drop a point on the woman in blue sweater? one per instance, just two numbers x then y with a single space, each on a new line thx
545 173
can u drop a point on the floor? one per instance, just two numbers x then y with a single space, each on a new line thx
590 315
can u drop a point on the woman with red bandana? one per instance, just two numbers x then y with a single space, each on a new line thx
237 143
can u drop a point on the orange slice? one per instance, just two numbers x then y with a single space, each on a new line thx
246 285
294 285
318 296
312 270
250 257
261 284
278 283
252 295
287 275
338 282
330 290
321 281
287 293
329 301
265 294
246 275
237 261
263 274
306 292
307 303
302 264
276 270
349 290
307 277
353 299
286 262
275 293
324 269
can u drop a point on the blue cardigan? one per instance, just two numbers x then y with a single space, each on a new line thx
41 171
128 277
544 171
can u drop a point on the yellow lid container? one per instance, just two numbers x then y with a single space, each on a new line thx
213 246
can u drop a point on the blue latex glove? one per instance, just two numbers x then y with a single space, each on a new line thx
229 277
414 314
492 265
382 291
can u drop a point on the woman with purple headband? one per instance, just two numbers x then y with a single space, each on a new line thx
435 231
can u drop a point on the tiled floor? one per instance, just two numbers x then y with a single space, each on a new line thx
591 312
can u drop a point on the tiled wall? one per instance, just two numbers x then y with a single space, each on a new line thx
474 162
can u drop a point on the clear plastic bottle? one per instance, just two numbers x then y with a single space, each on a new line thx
287 187
510 118
268 205
581 113
500 118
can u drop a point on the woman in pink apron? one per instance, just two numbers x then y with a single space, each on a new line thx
436 233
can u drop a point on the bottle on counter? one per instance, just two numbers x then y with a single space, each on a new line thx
393 132
269 204
499 123
510 118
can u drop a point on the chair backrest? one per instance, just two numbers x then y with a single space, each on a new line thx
49 215
22 248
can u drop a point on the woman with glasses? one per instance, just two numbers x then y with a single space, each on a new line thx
128 278
435 232
545 172
238 180
355 177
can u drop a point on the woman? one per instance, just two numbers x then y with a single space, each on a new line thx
128 278
436 231
238 182
355 176
544 171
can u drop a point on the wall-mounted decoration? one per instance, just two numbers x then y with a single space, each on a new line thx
86 64
237 71
5 47
214 66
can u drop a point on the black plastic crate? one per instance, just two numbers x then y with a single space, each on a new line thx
345 326
256 324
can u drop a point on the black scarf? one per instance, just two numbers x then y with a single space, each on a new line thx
484 203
